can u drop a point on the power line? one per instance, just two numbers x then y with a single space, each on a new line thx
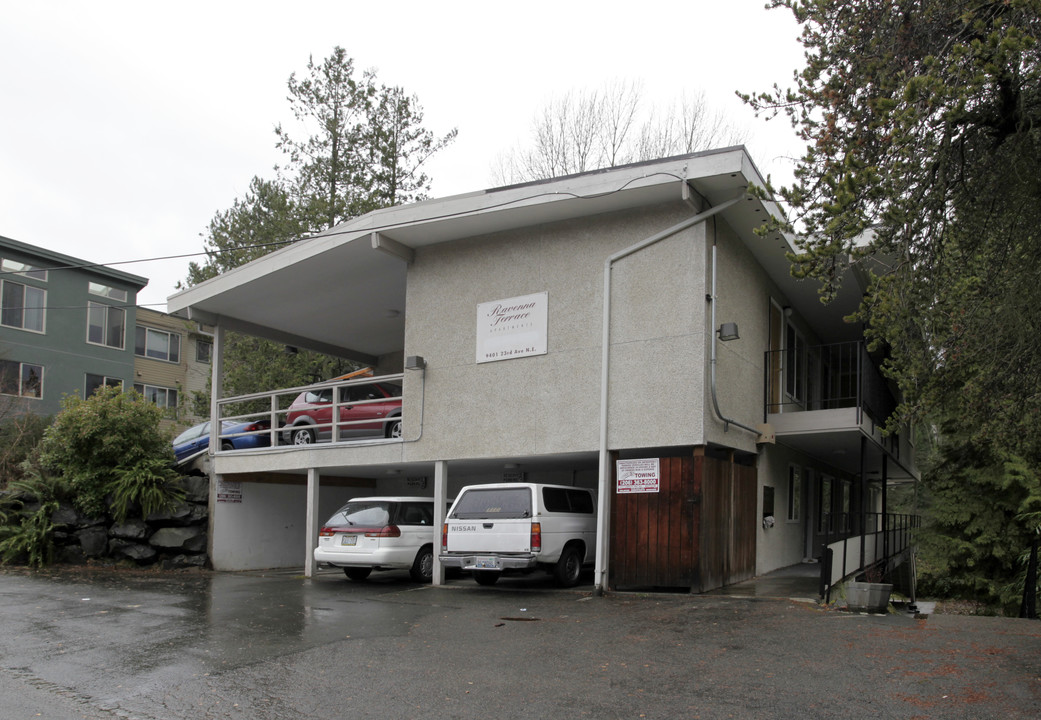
348 230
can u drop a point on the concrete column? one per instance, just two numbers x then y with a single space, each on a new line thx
216 386
313 481
440 513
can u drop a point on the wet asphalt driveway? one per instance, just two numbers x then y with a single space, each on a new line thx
114 644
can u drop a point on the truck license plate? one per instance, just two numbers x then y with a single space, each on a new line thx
487 563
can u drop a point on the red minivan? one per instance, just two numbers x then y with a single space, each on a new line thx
366 410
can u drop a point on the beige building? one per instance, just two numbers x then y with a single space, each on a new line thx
172 359
625 330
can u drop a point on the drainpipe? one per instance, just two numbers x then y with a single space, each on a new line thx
727 422
600 573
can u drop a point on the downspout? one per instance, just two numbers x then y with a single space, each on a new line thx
600 572
727 422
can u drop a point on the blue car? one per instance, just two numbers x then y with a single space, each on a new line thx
196 440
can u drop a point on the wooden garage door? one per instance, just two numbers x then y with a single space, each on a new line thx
697 532
653 535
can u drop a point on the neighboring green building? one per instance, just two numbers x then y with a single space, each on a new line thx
66 326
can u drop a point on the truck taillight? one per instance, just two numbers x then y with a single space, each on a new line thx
444 537
385 531
536 537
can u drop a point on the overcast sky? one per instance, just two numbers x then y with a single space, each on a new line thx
125 126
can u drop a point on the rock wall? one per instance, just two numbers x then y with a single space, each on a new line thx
177 538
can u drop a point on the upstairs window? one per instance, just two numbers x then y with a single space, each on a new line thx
106 325
795 365
21 379
93 382
24 269
106 291
22 306
157 344
203 351
163 397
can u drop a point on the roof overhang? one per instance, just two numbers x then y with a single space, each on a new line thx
343 291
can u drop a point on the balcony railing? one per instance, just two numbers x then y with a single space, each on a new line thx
826 377
367 409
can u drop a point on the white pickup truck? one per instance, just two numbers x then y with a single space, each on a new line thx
504 527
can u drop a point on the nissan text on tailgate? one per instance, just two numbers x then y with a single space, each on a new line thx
520 527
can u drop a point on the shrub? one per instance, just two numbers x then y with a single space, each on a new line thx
18 436
26 531
111 445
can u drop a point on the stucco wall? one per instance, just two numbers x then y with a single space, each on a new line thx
551 403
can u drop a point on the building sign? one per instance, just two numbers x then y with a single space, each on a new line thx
512 328
638 476
228 491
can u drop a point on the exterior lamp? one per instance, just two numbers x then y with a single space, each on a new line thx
415 362
728 331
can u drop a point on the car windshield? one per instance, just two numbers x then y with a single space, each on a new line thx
190 434
494 502
363 514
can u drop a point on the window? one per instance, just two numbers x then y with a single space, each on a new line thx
203 351
795 370
21 306
157 344
105 325
105 291
163 397
24 269
794 493
21 379
96 381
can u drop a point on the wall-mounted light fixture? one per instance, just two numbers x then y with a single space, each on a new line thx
787 311
728 331
415 362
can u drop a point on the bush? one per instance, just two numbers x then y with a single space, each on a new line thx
109 448
26 530
18 436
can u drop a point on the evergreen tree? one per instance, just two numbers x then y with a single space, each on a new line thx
922 169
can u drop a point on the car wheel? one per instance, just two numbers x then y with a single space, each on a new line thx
357 574
568 567
486 577
394 429
226 445
422 569
302 436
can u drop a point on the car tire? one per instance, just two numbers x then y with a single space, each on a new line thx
357 574
486 577
226 445
568 569
394 429
302 436
422 570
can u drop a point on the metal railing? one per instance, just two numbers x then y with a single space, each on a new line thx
825 377
882 539
270 412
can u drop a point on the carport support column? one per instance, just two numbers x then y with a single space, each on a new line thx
440 513
313 481
216 388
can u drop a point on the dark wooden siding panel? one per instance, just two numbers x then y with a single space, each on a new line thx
652 541
715 521
745 522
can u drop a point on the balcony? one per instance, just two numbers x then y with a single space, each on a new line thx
825 400
368 412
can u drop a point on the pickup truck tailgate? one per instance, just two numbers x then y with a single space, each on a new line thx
510 535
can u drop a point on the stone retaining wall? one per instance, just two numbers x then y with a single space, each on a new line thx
177 538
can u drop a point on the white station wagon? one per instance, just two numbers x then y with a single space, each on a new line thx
380 533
